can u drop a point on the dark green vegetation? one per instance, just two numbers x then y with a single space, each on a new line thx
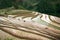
51 7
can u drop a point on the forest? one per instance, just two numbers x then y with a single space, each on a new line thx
51 7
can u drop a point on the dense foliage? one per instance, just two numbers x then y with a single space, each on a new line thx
45 6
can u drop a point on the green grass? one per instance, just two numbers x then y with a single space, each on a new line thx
7 39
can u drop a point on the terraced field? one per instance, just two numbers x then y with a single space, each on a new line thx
28 25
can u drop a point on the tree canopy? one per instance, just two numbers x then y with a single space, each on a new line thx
51 7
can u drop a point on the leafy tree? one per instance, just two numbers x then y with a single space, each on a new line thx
51 7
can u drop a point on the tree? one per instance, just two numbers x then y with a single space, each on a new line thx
51 7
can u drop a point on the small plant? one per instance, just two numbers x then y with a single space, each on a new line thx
8 39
